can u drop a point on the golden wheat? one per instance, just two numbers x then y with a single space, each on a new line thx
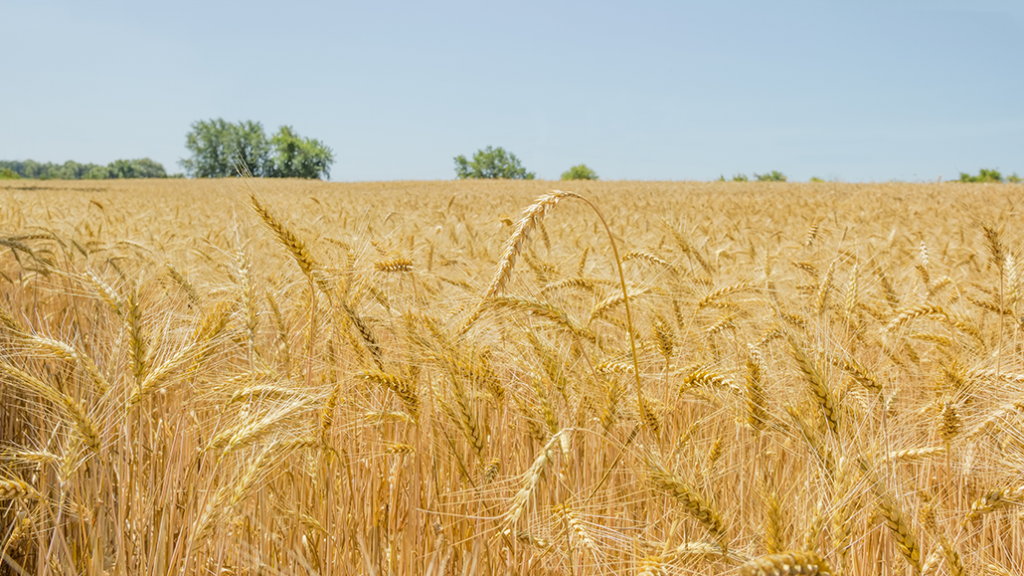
371 389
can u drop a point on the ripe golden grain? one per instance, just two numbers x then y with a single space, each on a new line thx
152 419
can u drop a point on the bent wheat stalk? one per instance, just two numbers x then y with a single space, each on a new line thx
532 218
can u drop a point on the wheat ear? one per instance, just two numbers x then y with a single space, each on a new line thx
213 324
292 243
911 313
14 489
533 477
788 564
515 244
774 536
400 387
819 388
694 504
757 412
394 265
900 530
71 409
68 353
136 337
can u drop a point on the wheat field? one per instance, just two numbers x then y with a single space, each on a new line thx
240 377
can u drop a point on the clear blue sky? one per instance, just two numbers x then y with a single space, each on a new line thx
636 90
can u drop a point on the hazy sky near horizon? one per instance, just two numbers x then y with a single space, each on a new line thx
857 91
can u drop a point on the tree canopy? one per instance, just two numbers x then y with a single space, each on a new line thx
491 163
297 157
220 149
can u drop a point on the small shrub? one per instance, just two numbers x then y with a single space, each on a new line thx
984 176
8 174
816 179
773 176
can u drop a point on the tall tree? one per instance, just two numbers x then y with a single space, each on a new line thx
220 148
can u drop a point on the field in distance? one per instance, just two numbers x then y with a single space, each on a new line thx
253 376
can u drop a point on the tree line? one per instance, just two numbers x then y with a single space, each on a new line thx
223 149
71 170
218 149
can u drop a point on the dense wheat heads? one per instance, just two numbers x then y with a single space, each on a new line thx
832 387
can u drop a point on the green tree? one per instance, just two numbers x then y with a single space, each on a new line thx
579 172
298 157
984 175
97 173
140 168
491 163
1013 178
69 170
773 176
220 148
8 174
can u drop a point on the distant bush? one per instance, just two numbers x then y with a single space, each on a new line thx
735 178
1014 178
988 176
491 163
8 174
579 172
816 179
70 170
773 176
